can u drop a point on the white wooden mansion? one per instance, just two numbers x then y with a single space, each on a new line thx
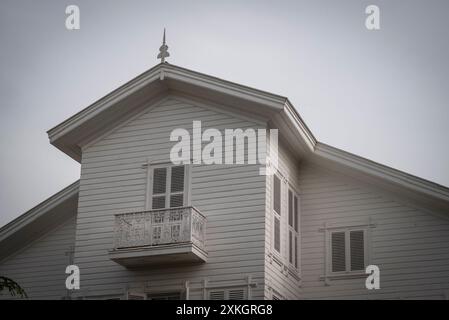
139 226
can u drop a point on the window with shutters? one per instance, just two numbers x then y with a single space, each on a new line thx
168 186
228 294
277 213
347 250
293 228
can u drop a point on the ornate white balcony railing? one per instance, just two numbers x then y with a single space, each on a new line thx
160 227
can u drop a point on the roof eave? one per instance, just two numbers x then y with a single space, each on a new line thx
37 211
402 182
65 135
37 221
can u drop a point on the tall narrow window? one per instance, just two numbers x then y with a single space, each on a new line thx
168 188
277 213
293 231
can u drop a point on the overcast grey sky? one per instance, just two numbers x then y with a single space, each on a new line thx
379 94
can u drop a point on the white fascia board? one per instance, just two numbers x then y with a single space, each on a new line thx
104 103
304 132
192 77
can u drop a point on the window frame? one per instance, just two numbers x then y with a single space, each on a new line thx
346 231
168 166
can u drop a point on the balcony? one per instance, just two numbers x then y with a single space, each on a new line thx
158 237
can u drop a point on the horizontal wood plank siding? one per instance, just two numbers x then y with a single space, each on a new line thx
40 267
409 244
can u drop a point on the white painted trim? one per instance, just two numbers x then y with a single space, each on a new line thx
386 173
173 72
202 80
103 103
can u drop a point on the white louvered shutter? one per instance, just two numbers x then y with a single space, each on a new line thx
159 188
228 294
277 213
290 224
217 295
357 249
296 218
277 195
338 251
177 187
236 294
277 234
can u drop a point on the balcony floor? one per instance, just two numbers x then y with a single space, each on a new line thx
167 254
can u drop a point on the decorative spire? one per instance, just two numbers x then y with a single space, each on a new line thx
163 50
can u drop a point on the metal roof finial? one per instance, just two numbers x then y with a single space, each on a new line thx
163 50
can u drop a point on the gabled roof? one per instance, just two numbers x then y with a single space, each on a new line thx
165 78
38 220
150 86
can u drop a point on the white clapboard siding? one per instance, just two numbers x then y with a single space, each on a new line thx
409 245
40 267
232 197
